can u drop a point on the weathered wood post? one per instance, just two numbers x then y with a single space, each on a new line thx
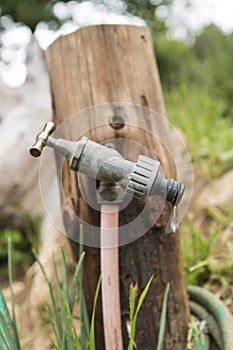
111 63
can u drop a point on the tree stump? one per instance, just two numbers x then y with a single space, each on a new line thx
106 64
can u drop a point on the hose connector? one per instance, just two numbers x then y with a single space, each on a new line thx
146 180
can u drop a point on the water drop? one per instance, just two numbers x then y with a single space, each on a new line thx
174 224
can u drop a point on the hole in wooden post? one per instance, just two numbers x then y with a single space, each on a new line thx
117 122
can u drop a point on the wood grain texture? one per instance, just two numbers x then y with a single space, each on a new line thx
116 63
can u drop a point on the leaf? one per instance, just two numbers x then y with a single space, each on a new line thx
70 331
134 319
4 310
15 328
55 310
65 275
62 307
163 319
6 334
131 302
143 295
92 330
51 319
75 281
53 343
84 319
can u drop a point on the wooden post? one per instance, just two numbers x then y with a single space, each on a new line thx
103 64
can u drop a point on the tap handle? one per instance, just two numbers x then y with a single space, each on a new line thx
41 139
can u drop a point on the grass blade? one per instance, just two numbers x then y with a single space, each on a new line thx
51 317
84 322
57 282
26 339
4 310
59 294
15 328
53 343
55 310
84 315
163 319
134 319
143 295
84 319
66 301
92 330
63 297
65 275
69 327
67 319
76 280
6 334
132 297
5 314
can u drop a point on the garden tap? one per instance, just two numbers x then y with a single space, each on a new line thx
139 180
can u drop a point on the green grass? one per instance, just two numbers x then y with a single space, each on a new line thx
197 335
196 253
9 337
21 257
208 254
25 240
208 134
134 310
163 319
201 266
61 312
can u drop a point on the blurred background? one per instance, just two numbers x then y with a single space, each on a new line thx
193 44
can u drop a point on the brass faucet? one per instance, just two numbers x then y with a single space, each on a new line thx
139 180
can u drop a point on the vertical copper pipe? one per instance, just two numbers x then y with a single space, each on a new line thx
110 277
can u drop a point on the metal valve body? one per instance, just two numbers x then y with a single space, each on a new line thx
140 179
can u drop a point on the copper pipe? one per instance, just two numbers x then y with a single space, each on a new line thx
110 277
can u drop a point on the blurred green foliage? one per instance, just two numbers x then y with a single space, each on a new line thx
208 253
205 66
208 134
197 89
24 241
31 12
214 50
146 9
